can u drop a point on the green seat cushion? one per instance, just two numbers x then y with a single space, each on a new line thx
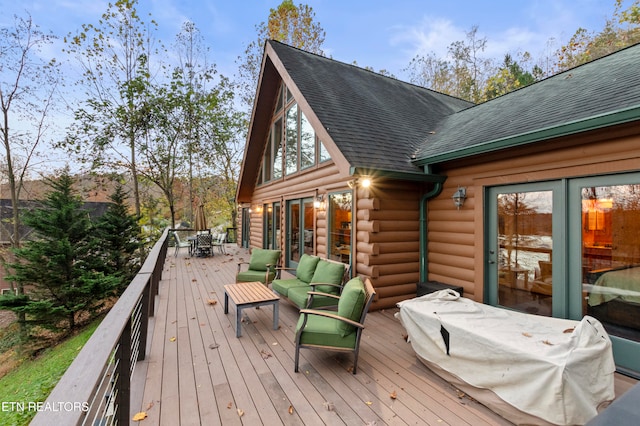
328 272
299 296
282 287
260 258
306 267
324 331
351 304
250 276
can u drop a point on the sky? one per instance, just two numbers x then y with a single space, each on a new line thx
382 35
374 33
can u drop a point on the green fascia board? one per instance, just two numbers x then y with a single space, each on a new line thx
626 115
420 177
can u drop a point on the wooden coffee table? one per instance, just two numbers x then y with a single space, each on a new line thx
248 295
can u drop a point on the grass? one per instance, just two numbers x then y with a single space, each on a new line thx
32 381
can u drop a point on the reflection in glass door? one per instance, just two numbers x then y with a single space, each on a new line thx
300 232
611 257
520 248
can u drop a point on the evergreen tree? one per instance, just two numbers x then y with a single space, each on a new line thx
118 240
55 266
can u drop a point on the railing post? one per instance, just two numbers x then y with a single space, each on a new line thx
123 374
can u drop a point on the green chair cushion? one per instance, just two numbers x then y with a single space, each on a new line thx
250 276
261 257
324 331
282 287
351 304
306 267
299 296
328 272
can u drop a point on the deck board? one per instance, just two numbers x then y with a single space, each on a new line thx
206 375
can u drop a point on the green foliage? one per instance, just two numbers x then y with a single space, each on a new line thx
288 23
58 264
510 76
33 380
622 30
118 241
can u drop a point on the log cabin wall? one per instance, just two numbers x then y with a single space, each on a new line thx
387 235
456 237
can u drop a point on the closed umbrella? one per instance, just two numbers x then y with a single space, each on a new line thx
201 219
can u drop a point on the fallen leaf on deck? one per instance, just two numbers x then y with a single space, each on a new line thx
569 330
265 354
193 280
274 344
173 339
139 416
460 394
214 346
229 405
393 395
291 409
526 334
240 412
329 406
212 301
368 402
546 342
150 406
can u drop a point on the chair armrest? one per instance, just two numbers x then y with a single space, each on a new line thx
340 286
240 265
330 314
285 268
319 293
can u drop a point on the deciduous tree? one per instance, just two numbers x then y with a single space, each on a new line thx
288 23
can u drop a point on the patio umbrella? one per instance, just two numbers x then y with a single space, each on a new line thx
201 219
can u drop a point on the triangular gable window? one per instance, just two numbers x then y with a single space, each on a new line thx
292 145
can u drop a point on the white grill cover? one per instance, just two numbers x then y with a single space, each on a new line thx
555 369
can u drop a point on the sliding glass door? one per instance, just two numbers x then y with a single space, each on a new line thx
300 229
569 248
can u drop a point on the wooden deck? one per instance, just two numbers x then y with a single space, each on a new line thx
197 372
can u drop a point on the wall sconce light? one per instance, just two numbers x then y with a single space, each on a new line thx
365 183
318 203
459 196
259 209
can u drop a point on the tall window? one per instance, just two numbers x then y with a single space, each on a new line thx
340 205
271 220
292 144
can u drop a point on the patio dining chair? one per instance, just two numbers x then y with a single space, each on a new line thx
219 242
179 243
336 331
204 245
262 266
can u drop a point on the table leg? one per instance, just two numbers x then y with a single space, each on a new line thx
276 310
226 303
238 321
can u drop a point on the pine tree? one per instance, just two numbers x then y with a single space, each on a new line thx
118 240
55 266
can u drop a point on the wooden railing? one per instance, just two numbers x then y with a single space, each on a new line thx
95 388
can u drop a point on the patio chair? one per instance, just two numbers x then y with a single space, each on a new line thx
179 243
261 266
336 331
204 246
219 242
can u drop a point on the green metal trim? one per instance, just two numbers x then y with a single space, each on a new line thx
579 126
437 189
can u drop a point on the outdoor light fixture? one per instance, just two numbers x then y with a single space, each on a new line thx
459 196
365 183
318 203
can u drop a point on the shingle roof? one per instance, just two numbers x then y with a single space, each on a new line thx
594 94
377 122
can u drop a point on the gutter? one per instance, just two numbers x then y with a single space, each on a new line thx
427 176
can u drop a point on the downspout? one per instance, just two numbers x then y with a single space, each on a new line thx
437 189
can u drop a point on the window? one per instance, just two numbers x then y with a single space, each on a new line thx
271 221
340 226
292 144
